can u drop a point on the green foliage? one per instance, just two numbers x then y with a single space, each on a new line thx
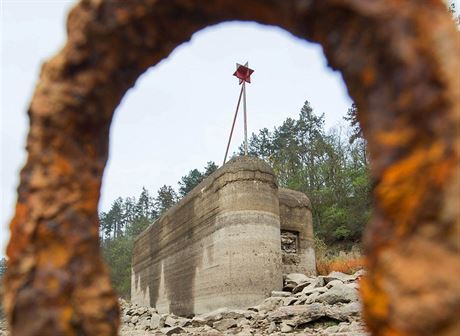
331 170
189 181
165 199
117 253
352 118
194 177
210 168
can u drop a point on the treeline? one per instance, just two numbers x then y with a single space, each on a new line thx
128 217
331 167
2 268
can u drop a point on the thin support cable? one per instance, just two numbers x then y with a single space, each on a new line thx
233 125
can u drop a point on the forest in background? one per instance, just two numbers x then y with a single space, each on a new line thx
330 166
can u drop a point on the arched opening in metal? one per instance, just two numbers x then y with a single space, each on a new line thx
398 61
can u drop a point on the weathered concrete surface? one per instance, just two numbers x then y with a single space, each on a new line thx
399 62
296 222
218 247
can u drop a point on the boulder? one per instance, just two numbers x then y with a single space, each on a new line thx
338 293
284 328
289 301
344 312
308 291
334 282
173 321
172 330
297 315
143 323
157 321
134 319
272 328
310 283
268 304
292 280
280 294
224 324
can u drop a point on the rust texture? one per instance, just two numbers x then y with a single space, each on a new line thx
400 62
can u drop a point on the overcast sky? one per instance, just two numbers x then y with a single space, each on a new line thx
178 115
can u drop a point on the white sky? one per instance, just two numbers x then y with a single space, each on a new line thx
178 115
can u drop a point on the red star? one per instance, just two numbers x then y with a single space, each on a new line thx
243 73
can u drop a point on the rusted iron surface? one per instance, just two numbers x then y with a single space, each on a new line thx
400 62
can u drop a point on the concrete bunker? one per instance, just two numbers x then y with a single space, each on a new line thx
222 246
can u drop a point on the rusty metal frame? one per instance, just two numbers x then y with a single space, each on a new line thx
400 62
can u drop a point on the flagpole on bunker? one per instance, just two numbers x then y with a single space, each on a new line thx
245 120
243 73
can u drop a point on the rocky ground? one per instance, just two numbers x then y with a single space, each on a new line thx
324 305
2 327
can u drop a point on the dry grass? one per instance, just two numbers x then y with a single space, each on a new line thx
347 263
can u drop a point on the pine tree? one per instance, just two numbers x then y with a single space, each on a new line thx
210 168
194 177
190 181
165 199
145 205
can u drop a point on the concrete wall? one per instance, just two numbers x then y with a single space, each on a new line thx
297 242
219 246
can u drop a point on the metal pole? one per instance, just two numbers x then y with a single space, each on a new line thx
233 125
245 120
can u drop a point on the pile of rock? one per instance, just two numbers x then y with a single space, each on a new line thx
324 305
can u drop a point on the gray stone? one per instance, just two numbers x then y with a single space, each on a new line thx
300 286
297 314
312 298
280 294
157 321
143 323
342 277
295 278
308 291
272 328
344 312
141 311
352 285
224 324
245 331
215 315
134 319
300 300
173 321
269 304
126 318
242 322
331 330
289 301
334 282
286 328
172 330
338 293
199 321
